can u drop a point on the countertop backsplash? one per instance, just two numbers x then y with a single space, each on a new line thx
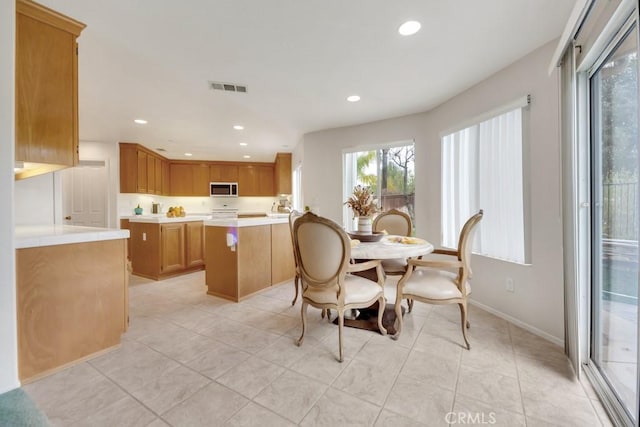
192 205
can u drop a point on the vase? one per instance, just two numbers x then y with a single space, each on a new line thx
364 224
138 211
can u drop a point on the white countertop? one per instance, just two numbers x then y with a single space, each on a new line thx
247 222
162 218
32 236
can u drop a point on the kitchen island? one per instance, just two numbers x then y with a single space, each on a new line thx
72 298
247 255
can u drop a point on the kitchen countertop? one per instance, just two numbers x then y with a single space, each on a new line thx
163 219
247 222
32 236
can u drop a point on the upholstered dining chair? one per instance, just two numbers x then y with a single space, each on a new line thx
397 223
440 281
323 250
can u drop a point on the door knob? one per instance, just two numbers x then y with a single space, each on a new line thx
68 217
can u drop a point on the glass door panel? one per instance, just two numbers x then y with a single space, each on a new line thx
614 298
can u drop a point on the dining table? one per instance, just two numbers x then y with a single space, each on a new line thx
387 247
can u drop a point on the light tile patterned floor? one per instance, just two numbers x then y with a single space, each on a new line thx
190 359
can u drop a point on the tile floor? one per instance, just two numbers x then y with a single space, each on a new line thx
190 359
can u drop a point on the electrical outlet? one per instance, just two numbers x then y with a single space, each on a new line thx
509 285
144 237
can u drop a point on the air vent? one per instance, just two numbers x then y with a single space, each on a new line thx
160 149
227 87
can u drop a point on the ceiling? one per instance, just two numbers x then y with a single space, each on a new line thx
300 59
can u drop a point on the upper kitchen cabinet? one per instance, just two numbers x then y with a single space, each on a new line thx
141 170
256 179
46 89
223 172
282 173
189 178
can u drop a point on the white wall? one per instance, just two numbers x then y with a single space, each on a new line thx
34 200
537 302
8 343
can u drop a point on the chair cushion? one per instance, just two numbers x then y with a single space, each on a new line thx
433 284
358 290
396 265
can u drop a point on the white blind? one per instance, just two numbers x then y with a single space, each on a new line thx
482 169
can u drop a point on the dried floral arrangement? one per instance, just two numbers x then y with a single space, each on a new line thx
362 201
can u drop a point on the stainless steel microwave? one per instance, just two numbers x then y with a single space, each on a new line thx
223 189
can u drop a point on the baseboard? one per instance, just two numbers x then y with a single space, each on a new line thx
519 323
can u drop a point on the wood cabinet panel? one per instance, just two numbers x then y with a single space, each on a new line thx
151 174
181 176
265 181
46 87
128 169
142 175
166 179
221 172
159 169
172 239
221 275
282 173
254 253
71 304
247 182
124 225
194 244
145 249
200 180
282 262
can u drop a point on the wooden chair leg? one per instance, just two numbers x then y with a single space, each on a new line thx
410 304
340 327
303 312
381 305
296 285
464 323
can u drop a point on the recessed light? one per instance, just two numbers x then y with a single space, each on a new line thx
140 121
353 98
188 154
246 156
409 28
244 144
238 127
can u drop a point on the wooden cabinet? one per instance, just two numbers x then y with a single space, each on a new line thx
282 173
255 180
124 225
189 179
46 88
223 172
173 249
194 245
143 176
163 250
141 170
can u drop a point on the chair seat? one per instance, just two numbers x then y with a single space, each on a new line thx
357 290
396 265
434 285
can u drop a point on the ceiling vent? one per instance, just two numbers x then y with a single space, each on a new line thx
161 149
227 87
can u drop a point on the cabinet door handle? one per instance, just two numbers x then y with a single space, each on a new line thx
68 217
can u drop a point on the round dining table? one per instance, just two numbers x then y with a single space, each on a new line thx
389 247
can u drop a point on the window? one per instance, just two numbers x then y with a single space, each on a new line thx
482 169
388 170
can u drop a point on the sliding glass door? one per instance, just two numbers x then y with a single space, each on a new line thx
615 220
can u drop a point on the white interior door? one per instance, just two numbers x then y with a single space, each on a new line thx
84 194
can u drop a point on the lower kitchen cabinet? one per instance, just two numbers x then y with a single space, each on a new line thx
169 249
